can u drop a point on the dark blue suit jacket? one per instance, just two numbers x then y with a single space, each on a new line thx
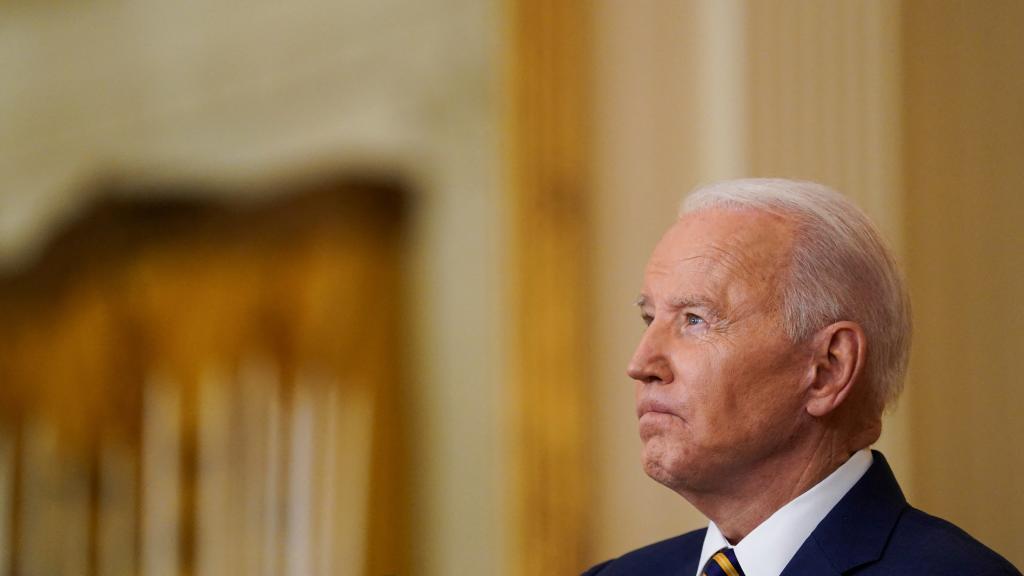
871 531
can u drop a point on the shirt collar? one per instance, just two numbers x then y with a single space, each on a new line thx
774 542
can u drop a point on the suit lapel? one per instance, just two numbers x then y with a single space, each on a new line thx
856 531
691 553
810 559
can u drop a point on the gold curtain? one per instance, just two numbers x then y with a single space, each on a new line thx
198 388
549 294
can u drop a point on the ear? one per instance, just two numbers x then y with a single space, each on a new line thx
839 352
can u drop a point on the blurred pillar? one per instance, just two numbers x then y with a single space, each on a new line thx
720 76
550 213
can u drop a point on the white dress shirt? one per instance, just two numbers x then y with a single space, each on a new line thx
770 546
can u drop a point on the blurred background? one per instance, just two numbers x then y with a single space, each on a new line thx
346 287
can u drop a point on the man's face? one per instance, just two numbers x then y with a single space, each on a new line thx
717 378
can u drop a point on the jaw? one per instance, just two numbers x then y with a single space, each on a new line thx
696 471
669 463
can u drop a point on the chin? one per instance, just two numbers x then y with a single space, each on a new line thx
663 465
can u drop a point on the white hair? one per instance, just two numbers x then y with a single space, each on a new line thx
840 269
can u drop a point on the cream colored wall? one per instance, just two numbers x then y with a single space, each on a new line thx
220 93
965 247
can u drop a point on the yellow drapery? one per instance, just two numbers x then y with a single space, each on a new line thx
238 341
548 184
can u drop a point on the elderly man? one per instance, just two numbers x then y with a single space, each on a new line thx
778 329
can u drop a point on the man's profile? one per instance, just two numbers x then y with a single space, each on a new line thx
778 330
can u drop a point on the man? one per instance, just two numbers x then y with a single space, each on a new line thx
778 330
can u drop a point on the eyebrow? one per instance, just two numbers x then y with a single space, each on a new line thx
692 301
683 302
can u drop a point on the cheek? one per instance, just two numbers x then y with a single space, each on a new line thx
702 387
734 395
764 402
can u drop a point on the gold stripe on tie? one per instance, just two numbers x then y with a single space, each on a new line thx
723 562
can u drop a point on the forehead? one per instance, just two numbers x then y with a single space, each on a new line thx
721 250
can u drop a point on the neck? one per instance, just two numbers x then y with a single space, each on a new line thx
772 484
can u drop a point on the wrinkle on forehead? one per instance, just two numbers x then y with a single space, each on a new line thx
727 262
741 256
750 261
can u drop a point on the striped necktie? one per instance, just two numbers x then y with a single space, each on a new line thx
723 563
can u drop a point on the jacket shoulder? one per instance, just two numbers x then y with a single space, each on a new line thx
673 556
925 544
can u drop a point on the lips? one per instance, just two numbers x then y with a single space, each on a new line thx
647 405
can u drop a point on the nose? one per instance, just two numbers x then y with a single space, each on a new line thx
649 363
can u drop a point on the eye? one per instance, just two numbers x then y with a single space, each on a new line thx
694 320
647 318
